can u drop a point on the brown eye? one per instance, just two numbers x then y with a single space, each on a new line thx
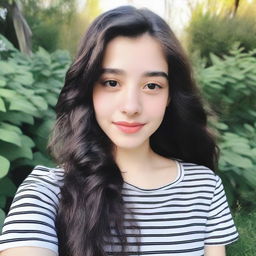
153 86
110 83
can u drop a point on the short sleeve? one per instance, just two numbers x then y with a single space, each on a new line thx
220 227
31 218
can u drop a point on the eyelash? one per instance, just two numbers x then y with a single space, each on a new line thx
105 82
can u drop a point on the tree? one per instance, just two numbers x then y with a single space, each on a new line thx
15 27
45 20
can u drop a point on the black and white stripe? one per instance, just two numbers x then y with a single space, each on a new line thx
31 219
177 219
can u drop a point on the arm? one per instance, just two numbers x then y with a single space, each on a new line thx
215 250
24 251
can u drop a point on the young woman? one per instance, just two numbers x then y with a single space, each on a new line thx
136 159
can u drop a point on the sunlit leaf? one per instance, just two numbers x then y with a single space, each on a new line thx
10 137
2 106
4 166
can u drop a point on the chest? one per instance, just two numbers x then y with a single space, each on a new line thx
169 224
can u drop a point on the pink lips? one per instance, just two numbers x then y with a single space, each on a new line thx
129 127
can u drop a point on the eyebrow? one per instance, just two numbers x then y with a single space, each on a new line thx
146 74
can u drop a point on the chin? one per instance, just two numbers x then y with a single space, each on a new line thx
128 144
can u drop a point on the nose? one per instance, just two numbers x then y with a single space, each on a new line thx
130 101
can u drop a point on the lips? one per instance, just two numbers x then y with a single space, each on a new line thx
129 127
128 124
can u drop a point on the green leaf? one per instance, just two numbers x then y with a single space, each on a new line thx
44 55
23 105
4 166
215 60
13 152
43 129
249 174
2 201
23 162
236 160
7 187
40 91
24 151
59 73
237 75
6 68
2 105
234 143
5 93
220 126
249 128
51 99
10 127
215 85
41 134
2 218
54 83
2 83
46 72
42 159
39 102
253 153
243 149
27 141
7 43
17 118
10 137
25 78
15 86
28 93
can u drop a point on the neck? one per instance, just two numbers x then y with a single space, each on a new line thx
135 159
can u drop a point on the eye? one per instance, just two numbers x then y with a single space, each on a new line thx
110 83
153 86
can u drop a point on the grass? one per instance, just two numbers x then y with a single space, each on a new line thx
246 225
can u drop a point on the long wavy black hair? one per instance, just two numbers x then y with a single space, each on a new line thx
91 205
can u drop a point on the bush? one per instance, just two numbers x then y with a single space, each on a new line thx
210 32
229 85
29 88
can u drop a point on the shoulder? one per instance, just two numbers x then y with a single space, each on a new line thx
200 175
44 179
31 218
47 174
40 189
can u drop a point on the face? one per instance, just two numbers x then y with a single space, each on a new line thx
131 95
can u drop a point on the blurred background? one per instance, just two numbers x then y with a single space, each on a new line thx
39 39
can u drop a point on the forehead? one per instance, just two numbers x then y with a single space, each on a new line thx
137 54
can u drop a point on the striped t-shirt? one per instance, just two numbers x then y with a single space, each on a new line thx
177 219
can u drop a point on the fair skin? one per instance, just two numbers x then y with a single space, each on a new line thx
25 251
132 88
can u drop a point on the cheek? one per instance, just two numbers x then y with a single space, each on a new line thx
102 104
156 108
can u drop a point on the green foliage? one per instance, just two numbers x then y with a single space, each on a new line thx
246 225
46 19
29 87
63 21
229 85
213 32
71 31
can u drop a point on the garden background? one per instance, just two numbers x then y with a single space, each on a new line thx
38 40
